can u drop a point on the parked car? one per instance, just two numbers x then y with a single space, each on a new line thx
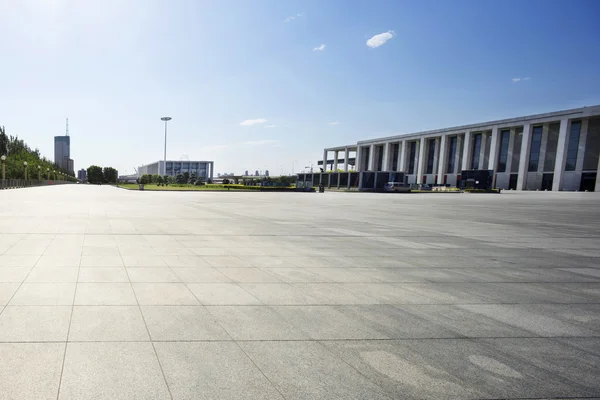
396 187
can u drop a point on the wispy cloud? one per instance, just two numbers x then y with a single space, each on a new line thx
250 122
334 123
380 39
270 126
515 80
293 17
319 48
260 142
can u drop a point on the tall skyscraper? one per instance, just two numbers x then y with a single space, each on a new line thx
62 151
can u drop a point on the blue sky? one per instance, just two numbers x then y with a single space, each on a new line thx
115 67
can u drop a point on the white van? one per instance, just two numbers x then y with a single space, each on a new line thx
396 187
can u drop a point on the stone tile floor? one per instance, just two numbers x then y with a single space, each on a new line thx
114 294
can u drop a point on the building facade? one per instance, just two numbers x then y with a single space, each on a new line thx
62 153
204 169
82 175
552 151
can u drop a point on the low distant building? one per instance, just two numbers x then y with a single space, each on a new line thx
82 175
266 172
246 173
205 169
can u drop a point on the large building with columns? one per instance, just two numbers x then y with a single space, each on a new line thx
553 151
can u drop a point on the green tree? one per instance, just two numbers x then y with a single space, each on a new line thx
94 174
109 175
193 178
167 179
160 180
186 177
179 179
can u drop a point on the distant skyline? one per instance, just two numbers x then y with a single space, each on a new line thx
259 85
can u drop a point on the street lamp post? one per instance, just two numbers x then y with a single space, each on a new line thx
39 172
166 119
3 160
54 174
25 165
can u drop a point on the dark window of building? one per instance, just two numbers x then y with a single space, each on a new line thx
573 146
551 146
534 152
592 146
379 150
476 151
451 154
430 156
411 157
396 150
504 139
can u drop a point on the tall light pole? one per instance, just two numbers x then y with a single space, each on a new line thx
3 161
166 119
39 170
25 165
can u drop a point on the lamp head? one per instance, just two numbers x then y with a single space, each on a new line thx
3 158
25 163
165 119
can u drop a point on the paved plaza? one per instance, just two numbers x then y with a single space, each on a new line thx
114 294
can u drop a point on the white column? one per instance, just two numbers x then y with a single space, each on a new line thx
212 169
334 167
325 160
436 157
561 156
386 157
443 154
524 157
459 149
511 145
467 151
581 147
401 150
371 158
494 149
346 156
597 188
421 160
358 160
482 149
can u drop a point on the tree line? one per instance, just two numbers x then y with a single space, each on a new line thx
96 174
17 152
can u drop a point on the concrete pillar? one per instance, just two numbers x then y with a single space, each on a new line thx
524 157
543 146
212 170
561 156
421 160
346 157
582 144
459 148
371 158
358 159
511 145
401 157
597 188
443 155
325 160
467 145
386 157
494 149
482 149
334 167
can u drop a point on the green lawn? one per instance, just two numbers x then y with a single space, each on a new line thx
210 187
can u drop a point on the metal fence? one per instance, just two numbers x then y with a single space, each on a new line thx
22 183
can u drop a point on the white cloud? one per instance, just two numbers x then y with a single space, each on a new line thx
293 17
270 126
260 142
334 123
515 80
250 122
319 48
380 39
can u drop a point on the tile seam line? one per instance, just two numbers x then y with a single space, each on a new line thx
62 368
147 329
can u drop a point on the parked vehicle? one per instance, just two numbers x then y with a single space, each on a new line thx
396 187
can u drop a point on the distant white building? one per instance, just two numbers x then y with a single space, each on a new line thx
205 169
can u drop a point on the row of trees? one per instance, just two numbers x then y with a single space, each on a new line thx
182 179
268 181
96 174
17 152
